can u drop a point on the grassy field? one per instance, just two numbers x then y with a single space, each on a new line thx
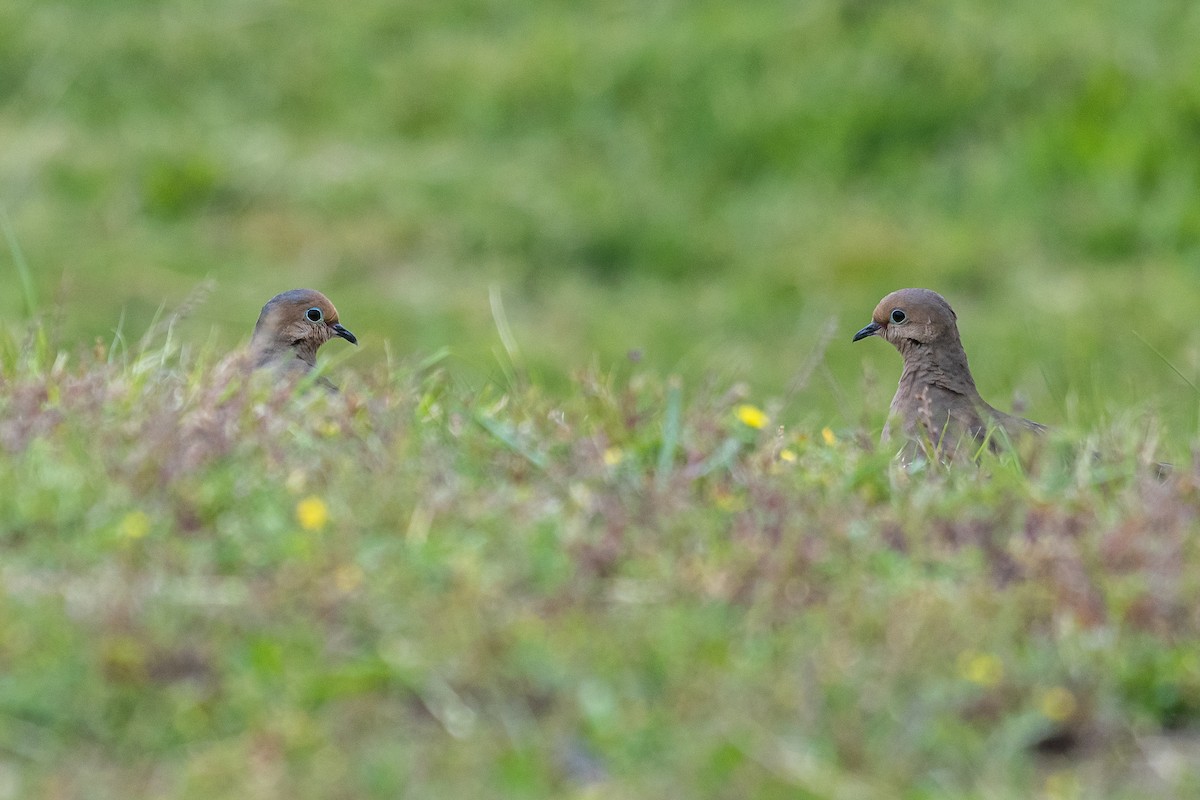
217 588
710 185
599 512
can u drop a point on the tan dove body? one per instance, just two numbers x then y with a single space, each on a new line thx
936 402
291 328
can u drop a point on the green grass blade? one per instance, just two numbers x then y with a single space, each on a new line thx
671 426
18 257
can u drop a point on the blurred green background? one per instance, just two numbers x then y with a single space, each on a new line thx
712 184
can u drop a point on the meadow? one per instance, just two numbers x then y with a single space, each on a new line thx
600 510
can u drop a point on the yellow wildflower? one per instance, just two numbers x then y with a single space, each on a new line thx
983 669
752 416
787 454
613 456
134 525
1057 704
828 437
312 513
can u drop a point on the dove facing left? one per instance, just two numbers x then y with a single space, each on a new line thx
936 402
292 327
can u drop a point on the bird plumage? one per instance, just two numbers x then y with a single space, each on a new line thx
936 402
292 327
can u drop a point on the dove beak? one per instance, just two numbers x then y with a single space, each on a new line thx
870 330
338 330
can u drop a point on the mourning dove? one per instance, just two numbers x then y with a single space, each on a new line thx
290 329
936 403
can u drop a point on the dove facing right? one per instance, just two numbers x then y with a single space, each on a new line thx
292 327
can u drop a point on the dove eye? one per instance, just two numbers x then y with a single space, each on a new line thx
314 314
898 316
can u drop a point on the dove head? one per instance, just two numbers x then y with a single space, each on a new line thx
909 316
293 325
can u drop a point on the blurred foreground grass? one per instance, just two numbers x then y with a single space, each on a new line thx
212 587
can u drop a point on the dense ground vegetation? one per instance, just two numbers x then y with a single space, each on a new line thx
599 511
214 586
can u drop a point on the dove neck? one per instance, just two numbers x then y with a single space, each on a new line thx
940 363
